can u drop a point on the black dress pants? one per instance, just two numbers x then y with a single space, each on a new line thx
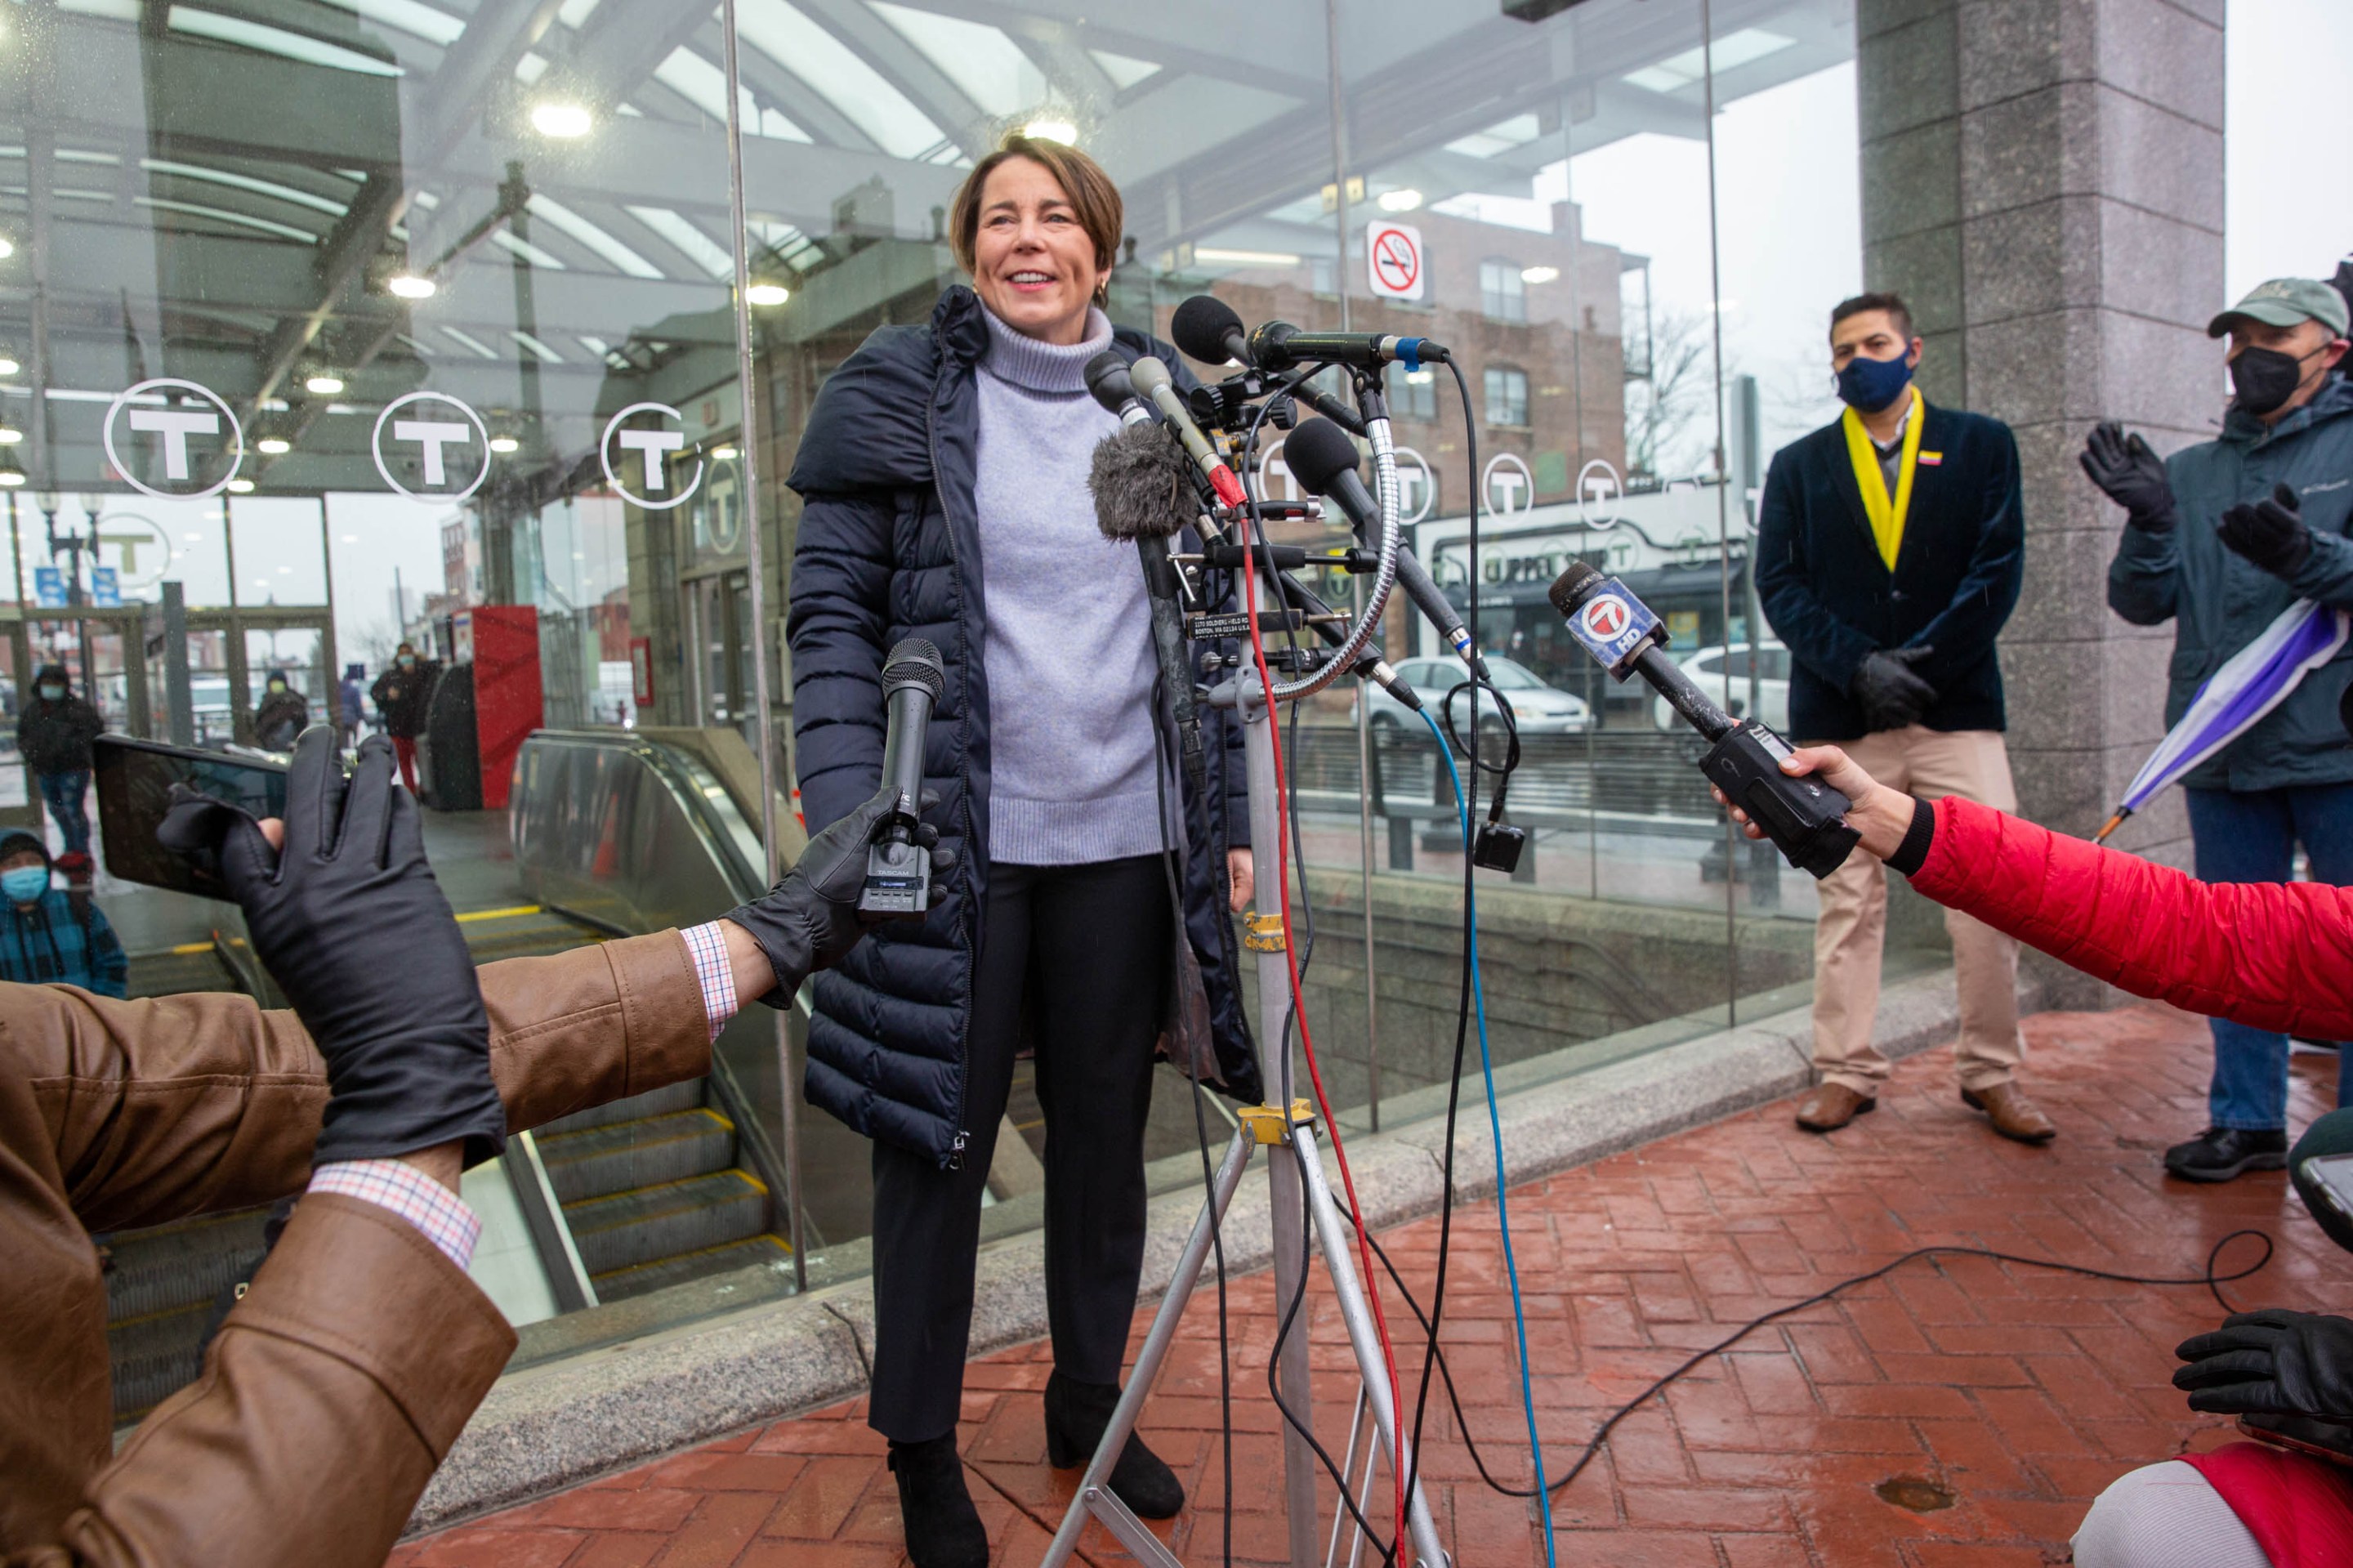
1083 952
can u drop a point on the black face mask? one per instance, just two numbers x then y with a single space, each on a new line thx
2264 378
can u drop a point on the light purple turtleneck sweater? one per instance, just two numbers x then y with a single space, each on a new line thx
1067 646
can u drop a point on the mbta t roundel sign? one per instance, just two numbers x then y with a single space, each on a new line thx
1606 618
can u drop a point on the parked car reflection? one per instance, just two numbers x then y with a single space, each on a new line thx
1715 669
1537 708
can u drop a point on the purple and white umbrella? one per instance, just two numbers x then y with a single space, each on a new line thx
2256 680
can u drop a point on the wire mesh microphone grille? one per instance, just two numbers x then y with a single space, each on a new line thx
1570 589
914 661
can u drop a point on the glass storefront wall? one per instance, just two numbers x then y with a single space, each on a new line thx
354 316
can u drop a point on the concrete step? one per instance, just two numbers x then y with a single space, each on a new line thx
598 1162
651 1223
653 1102
637 1280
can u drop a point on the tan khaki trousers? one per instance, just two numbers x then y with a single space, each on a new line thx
1851 929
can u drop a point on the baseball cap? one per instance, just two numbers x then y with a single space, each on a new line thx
2284 301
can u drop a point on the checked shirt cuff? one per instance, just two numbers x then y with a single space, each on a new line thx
416 1197
708 948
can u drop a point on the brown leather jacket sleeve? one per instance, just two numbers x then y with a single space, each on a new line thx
327 1399
117 1114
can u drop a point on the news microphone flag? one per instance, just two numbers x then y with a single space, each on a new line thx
2256 680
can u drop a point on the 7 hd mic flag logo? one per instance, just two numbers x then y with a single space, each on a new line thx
1614 627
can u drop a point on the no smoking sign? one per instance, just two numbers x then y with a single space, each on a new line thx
1393 260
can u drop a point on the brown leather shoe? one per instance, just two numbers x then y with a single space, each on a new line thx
2012 1114
1831 1106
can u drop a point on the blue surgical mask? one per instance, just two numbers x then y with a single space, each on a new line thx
22 884
1867 385
52 693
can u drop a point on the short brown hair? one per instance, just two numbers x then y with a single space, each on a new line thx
1881 299
1091 192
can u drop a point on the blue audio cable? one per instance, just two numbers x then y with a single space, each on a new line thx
1496 1135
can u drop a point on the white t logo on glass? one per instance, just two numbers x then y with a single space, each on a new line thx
433 435
651 445
175 427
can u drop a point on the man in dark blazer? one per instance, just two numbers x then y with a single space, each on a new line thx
1889 549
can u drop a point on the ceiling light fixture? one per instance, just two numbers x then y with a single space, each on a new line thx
409 286
1061 131
240 486
10 475
1538 274
7 367
324 386
1404 200
10 434
724 454
561 118
503 445
764 295
6 250
274 446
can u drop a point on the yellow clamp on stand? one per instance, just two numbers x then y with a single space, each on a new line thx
1263 933
1269 1126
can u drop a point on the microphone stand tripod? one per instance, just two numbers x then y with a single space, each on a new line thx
1299 1195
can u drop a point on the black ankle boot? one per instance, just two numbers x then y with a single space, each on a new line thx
1076 1414
943 1528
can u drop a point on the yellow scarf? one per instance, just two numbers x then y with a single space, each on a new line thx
1886 518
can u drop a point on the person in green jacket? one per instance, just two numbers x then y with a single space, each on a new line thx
2220 539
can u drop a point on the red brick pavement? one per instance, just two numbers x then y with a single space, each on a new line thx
2018 1392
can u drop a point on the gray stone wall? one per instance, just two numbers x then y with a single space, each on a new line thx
2042 179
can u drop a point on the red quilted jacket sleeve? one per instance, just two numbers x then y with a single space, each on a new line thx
2270 955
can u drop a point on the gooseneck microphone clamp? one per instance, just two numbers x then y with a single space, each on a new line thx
1805 818
1143 490
898 869
1324 459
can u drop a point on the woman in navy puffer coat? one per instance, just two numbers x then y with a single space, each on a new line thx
942 471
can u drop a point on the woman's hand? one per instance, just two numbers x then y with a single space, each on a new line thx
1240 870
1882 816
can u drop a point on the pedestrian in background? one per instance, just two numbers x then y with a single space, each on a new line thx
351 706
284 713
400 694
52 935
2221 538
1890 547
53 735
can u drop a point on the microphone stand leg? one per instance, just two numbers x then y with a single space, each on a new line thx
1336 1235
1094 1497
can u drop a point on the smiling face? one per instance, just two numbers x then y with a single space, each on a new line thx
1034 264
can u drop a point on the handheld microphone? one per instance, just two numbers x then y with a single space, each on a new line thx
1325 461
1143 492
898 869
1279 345
1805 818
1108 380
1151 378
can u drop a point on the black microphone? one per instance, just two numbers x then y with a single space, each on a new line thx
1324 460
1206 328
1143 492
1279 345
898 869
1108 380
1805 818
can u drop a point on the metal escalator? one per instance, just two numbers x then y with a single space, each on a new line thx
633 834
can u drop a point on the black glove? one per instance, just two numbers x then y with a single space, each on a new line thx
1891 694
2271 532
2132 475
810 919
2272 1361
350 923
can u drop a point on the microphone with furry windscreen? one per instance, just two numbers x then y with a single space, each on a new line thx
1143 488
